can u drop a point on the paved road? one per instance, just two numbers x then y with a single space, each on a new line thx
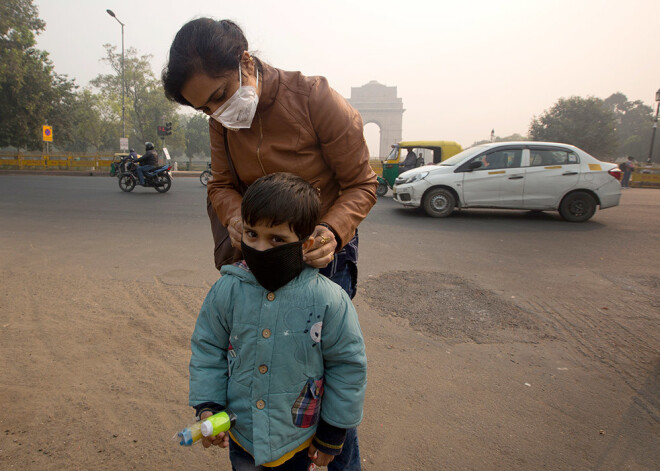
94 213
516 340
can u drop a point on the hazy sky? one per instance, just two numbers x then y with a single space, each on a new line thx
462 68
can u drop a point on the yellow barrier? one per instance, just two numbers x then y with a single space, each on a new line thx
59 160
376 166
645 177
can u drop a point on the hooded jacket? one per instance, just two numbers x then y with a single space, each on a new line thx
279 360
304 127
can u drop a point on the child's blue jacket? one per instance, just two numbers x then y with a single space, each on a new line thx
262 355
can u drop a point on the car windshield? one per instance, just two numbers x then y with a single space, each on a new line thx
458 158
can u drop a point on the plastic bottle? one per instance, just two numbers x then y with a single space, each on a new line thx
220 422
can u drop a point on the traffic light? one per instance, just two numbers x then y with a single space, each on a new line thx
165 130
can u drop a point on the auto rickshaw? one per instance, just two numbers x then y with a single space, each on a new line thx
440 150
118 166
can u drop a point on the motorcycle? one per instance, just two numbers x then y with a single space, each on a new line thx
206 175
159 178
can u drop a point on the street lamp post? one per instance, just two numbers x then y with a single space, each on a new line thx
123 112
655 126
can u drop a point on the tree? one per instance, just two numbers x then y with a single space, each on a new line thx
31 93
634 122
198 141
582 122
146 107
89 131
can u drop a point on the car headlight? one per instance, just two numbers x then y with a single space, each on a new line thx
415 178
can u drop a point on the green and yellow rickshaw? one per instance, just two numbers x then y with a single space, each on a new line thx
425 153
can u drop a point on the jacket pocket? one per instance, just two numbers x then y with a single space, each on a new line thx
307 408
233 361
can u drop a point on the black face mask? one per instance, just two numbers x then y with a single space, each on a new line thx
273 268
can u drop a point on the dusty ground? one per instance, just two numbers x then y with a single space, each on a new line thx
463 374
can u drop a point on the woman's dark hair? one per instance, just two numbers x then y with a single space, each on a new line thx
281 198
202 45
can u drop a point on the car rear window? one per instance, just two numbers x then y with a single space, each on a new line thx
545 157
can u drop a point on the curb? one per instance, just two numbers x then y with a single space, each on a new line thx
72 173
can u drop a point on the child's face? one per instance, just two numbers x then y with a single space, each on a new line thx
262 236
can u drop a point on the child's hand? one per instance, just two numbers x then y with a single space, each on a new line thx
318 457
221 439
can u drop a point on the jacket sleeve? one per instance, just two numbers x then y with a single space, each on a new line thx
209 344
224 195
345 364
341 137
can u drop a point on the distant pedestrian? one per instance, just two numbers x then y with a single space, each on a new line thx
627 167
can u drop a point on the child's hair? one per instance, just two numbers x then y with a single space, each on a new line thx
281 198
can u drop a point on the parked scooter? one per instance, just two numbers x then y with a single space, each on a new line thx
206 175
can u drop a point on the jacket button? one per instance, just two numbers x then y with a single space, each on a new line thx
260 404
266 333
263 369
270 296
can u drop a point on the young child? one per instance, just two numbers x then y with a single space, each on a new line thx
278 343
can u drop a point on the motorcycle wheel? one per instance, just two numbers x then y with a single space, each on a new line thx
127 182
162 183
205 177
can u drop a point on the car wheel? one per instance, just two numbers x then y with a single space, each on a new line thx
382 189
577 207
439 203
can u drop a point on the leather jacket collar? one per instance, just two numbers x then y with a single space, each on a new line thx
269 87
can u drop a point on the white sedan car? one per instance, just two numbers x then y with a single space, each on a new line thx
514 175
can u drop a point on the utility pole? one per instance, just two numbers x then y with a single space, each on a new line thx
655 126
123 108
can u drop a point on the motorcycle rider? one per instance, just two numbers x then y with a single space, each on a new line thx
132 154
147 162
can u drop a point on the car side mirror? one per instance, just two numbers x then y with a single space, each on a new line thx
471 166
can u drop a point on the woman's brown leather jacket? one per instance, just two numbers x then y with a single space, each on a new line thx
304 127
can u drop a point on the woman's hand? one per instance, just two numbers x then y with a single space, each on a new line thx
235 230
322 252
221 439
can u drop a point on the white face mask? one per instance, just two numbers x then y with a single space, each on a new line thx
238 112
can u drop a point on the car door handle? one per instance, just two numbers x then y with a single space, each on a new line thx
569 173
516 177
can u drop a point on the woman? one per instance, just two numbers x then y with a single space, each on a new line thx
277 121
270 121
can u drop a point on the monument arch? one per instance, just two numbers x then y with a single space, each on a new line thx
378 104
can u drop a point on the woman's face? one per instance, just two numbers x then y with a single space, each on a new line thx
207 93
